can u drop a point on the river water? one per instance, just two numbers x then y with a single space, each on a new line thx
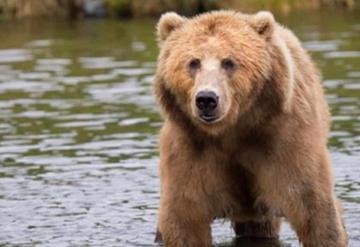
79 129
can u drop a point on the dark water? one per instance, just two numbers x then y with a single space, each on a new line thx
78 129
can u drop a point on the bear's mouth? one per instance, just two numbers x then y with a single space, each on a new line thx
208 118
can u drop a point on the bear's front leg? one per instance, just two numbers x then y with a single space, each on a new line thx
184 216
317 223
304 193
183 223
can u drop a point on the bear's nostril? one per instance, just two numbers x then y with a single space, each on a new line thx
206 100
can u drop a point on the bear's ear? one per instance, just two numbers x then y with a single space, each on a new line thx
168 23
263 22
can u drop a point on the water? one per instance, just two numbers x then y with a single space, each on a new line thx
79 129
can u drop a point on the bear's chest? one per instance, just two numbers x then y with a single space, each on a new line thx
230 174
230 189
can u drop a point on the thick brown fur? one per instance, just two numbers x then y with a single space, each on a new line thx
266 156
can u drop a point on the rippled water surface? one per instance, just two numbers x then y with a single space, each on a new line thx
79 128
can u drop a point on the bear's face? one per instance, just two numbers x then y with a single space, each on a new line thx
215 64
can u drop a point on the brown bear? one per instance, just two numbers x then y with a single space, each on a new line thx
245 132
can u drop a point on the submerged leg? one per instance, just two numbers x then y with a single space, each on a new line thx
266 229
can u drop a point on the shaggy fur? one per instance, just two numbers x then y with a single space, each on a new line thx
266 156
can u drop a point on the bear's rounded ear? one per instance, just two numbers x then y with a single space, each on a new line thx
263 22
168 22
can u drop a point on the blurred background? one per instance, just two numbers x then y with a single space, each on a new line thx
79 126
144 8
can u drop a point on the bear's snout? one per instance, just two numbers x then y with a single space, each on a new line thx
207 102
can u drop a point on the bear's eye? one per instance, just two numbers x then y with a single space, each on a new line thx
228 64
194 64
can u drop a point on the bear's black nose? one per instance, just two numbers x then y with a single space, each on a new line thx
206 100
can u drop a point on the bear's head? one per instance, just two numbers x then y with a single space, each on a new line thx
213 68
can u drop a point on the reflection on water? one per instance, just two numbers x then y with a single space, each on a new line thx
78 136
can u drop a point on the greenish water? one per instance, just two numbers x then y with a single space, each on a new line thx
79 129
